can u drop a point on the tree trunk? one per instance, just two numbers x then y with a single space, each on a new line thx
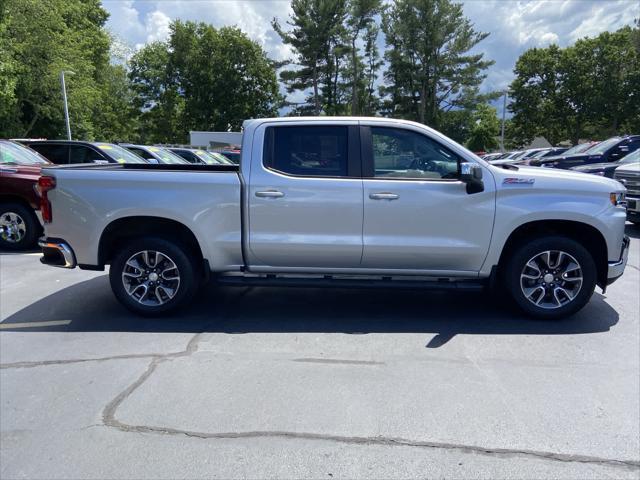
316 100
31 124
354 87
423 102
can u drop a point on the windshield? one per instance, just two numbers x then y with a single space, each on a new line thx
14 154
206 157
539 154
166 156
604 146
633 157
221 158
119 154
583 147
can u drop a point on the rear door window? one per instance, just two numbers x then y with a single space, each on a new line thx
83 154
53 152
309 151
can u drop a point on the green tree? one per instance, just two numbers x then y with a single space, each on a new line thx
223 76
202 78
485 128
536 97
429 65
156 97
589 89
361 20
38 39
317 38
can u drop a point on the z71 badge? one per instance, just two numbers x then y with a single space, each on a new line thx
518 181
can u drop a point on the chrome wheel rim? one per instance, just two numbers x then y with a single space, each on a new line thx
151 278
551 279
12 227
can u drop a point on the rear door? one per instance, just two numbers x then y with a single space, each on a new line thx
418 215
305 197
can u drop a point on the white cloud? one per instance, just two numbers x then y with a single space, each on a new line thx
608 16
124 21
157 26
514 26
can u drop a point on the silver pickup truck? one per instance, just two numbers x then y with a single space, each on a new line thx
354 202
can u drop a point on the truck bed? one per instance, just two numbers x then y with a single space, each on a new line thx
148 166
90 199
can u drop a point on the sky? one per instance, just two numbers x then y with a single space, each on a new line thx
514 25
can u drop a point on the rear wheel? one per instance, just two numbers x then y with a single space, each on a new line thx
551 277
152 276
19 227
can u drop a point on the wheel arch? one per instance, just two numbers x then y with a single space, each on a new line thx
587 235
10 198
128 228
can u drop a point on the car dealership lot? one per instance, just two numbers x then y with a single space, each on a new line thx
275 383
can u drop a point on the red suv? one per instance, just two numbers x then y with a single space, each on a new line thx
19 172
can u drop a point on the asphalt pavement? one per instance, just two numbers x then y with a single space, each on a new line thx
309 383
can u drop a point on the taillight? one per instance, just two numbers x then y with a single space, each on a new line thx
44 185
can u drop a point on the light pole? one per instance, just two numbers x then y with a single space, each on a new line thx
504 109
64 97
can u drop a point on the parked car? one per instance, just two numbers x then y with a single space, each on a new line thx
491 156
610 150
607 169
233 155
576 149
154 154
340 201
193 155
519 158
72 151
19 172
549 152
629 175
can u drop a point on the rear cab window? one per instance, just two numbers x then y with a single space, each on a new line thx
307 151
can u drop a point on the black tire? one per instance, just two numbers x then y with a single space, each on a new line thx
156 296
554 291
24 225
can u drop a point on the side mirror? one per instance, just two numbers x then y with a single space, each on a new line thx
471 174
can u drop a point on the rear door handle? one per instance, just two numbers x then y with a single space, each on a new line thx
384 196
270 194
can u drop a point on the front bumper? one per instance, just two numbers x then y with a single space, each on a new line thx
616 269
57 253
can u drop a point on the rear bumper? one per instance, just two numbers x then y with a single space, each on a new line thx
616 269
57 253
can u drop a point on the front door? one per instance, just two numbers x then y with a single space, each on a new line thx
305 198
417 213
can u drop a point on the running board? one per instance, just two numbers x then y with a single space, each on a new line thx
329 281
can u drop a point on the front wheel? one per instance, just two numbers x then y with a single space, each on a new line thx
551 277
152 276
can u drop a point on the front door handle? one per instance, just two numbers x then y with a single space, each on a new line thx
384 196
270 194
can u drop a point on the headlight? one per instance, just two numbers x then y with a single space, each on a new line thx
618 199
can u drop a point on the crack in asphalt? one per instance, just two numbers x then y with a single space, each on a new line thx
78 360
109 420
